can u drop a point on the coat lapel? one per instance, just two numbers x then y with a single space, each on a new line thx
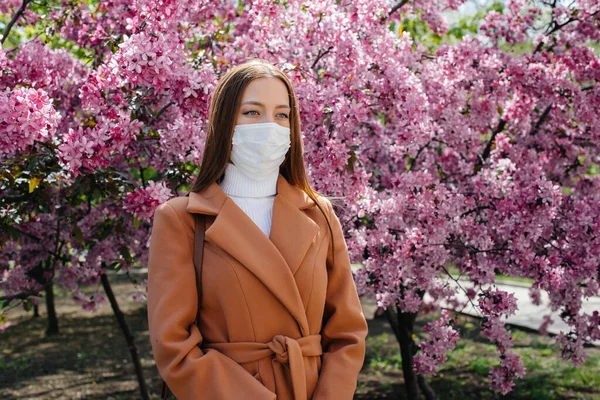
273 260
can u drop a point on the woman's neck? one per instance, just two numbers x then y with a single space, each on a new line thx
236 183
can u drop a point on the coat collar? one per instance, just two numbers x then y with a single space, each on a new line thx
274 260
211 199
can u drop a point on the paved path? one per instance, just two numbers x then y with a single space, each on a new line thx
527 315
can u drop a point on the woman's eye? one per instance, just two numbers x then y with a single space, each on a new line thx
283 115
251 111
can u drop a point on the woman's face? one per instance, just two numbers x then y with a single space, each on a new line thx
265 100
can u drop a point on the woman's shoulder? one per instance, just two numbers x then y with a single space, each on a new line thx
332 205
175 207
326 206
178 204
323 201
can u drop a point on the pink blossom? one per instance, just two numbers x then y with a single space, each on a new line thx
442 338
497 303
502 377
143 201
26 116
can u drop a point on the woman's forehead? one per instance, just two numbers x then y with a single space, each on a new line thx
268 91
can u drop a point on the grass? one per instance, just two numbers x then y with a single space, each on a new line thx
500 278
89 359
382 356
465 374
508 278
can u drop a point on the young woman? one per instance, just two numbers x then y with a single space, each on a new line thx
279 316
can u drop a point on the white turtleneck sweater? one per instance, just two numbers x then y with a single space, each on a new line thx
254 197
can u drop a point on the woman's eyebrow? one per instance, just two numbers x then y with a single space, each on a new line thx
258 103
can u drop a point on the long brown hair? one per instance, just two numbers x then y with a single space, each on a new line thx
224 106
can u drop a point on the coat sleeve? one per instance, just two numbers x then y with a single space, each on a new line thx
190 372
344 328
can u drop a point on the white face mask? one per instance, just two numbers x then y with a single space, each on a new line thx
259 149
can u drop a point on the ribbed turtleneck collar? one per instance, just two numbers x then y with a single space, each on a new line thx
235 183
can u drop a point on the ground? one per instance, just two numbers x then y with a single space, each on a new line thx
89 359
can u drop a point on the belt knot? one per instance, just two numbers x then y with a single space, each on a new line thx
279 346
286 350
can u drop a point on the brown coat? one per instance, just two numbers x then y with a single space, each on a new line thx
277 319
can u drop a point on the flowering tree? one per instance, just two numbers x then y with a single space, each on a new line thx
475 154
502 178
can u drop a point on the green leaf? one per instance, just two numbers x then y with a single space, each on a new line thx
28 305
124 251
351 160
34 183
409 163
593 170
78 234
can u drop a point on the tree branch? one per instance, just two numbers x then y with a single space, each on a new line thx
556 27
319 56
463 289
414 161
14 19
20 296
161 111
479 208
538 47
488 147
543 118
397 7
16 199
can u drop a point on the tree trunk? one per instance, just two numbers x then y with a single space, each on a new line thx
403 326
427 390
52 318
128 336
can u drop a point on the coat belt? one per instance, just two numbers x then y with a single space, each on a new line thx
286 350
